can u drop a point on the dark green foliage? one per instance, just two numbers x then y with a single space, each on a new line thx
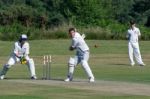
39 19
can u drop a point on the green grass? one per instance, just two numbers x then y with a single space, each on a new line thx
109 61
11 90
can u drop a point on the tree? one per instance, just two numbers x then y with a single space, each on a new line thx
122 10
142 11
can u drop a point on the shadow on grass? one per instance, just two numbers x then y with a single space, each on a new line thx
121 64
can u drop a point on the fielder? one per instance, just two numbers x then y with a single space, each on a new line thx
20 53
82 55
133 45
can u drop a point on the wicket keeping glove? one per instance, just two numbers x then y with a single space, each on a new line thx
23 60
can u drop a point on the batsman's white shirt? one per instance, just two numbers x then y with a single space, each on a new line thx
133 34
79 43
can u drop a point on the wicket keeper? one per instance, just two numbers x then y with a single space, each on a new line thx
20 53
82 55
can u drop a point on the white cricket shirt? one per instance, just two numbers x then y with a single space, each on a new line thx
133 34
21 51
79 43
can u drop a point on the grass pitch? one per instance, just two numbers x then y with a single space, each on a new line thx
115 78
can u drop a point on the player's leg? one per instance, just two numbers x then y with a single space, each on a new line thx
86 67
6 67
137 54
71 66
31 67
130 52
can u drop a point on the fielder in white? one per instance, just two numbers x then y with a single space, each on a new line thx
20 53
82 55
133 46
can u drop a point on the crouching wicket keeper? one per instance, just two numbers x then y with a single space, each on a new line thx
20 53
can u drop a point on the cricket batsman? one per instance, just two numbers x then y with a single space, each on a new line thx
133 46
20 53
82 55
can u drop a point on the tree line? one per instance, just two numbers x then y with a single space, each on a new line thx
99 19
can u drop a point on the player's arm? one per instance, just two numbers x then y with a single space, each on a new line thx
26 51
16 52
73 45
71 48
128 35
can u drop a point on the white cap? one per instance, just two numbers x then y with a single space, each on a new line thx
24 37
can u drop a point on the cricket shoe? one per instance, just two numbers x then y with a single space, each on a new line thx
142 64
132 64
68 79
1 77
91 80
33 77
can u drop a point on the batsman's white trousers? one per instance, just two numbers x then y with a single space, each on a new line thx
81 57
133 50
13 60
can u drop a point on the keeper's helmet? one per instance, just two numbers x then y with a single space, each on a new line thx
23 37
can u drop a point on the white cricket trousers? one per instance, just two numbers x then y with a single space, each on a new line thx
133 50
81 57
13 60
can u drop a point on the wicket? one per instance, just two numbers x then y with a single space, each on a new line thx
46 67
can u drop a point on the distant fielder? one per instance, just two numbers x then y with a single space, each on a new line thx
20 53
133 45
82 55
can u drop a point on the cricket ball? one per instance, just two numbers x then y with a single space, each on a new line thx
95 46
